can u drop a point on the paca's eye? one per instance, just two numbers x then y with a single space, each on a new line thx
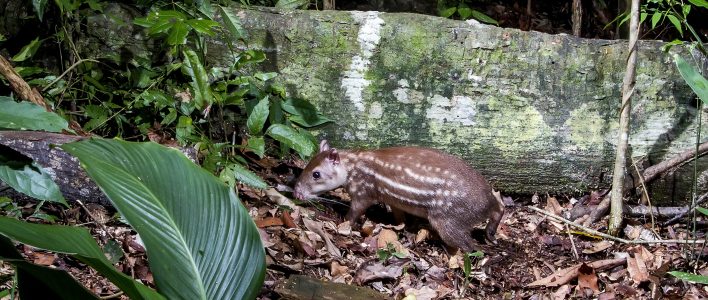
316 175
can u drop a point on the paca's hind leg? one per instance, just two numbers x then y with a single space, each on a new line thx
454 233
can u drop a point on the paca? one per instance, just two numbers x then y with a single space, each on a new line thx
420 181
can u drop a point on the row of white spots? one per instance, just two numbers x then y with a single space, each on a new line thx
388 181
403 199
369 35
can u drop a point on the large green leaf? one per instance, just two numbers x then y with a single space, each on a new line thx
238 172
39 7
29 116
25 176
291 4
27 51
77 242
201 243
291 138
232 23
178 33
693 78
303 113
258 116
200 81
39 282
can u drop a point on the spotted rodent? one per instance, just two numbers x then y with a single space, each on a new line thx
420 181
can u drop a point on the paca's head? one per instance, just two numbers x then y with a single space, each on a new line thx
323 173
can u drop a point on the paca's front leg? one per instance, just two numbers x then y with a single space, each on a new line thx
358 207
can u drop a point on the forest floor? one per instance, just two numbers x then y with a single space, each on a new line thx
536 257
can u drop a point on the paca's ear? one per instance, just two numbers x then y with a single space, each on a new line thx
333 156
324 146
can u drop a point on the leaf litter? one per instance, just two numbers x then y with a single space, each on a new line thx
533 257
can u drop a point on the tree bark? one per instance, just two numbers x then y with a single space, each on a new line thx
533 112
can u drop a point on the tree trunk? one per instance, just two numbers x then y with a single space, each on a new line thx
623 137
532 111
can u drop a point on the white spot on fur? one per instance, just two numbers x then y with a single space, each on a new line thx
354 81
446 193
394 184
431 180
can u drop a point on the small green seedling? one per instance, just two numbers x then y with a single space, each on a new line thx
390 250
467 267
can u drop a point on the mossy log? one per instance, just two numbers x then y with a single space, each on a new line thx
533 112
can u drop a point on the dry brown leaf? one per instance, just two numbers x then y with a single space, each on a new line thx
44 259
288 220
316 227
307 245
344 228
386 236
336 269
265 238
456 261
270 221
597 247
587 279
637 269
564 276
277 198
424 293
553 206
561 292
368 228
422 235
375 270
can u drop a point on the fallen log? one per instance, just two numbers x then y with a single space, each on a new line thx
533 112
64 169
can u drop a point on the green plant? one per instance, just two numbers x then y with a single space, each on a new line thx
461 9
467 266
676 12
174 205
390 251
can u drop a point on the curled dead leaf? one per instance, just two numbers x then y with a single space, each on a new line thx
422 235
277 198
336 269
386 236
424 293
597 247
587 279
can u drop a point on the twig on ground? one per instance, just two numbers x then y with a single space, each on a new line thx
116 295
700 200
609 237
654 171
572 242
95 221
646 194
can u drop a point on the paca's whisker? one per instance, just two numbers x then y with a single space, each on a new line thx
326 200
